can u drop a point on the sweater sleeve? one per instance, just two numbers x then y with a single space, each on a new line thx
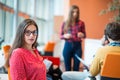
96 65
61 31
17 70
82 28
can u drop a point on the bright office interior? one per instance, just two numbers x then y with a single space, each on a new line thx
49 15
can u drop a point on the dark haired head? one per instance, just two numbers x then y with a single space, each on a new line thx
113 31
19 38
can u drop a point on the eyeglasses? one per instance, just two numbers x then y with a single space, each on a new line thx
28 32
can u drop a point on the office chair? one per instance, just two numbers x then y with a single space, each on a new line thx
49 48
111 67
6 49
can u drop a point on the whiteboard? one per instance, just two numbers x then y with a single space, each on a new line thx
91 46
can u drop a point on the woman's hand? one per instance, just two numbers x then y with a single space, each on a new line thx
80 34
67 36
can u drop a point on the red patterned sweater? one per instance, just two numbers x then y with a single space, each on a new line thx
25 66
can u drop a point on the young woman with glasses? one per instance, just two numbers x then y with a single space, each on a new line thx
24 60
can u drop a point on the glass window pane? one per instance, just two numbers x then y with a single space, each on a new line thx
8 27
3 1
10 3
1 26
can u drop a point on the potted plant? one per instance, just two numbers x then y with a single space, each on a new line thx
113 6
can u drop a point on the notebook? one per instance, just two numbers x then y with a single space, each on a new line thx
48 63
83 62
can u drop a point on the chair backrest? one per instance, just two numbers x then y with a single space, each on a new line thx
9 78
111 66
6 49
49 47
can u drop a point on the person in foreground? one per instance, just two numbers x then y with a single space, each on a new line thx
112 32
24 60
72 31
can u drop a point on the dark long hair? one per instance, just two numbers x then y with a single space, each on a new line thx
70 17
19 38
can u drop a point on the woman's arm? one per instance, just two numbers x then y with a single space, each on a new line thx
17 70
82 32
95 66
61 31
64 35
